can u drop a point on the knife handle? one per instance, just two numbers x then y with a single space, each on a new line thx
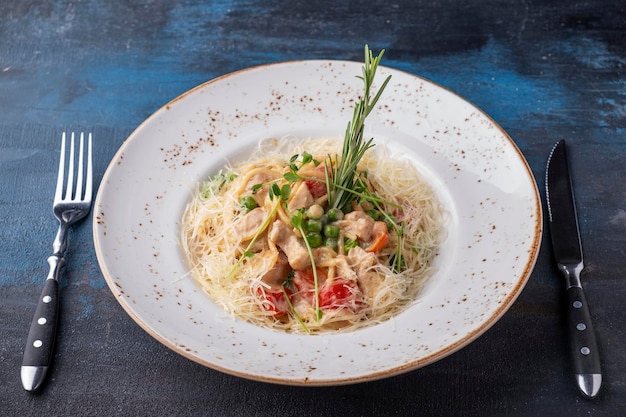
42 334
583 346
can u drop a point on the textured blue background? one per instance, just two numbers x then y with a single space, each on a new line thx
544 70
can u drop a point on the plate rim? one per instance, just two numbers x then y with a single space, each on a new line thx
469 337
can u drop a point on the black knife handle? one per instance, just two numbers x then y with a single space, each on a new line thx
583 346
42 333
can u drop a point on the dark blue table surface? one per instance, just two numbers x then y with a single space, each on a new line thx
544 70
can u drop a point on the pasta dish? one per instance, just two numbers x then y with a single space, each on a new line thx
312 235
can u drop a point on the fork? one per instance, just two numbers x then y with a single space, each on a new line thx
70 205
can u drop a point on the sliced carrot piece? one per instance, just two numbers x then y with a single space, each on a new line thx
381 237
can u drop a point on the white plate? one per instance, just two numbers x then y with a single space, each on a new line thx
494 228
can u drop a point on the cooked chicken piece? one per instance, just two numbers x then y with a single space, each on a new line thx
302 198
302 307
357 224
247 226
278 273
343 268
261 193
360 260
369 280
284 237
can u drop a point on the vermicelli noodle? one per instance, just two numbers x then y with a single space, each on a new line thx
262 241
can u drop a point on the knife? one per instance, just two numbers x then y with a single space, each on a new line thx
567 250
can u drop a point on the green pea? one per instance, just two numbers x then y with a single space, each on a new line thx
331 242
330 230
248 203
314 239
315 212
334 214
313 226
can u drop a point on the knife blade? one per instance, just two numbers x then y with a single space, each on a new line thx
567 249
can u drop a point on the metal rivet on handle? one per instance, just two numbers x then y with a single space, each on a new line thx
585 350
577 304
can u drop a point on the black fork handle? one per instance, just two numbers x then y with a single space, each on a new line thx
39 349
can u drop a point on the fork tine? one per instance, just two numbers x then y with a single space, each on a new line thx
58 195
88 185
70 172
79 179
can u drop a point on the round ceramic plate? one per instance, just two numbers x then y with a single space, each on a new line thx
485 185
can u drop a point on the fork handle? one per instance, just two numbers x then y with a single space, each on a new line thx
39 348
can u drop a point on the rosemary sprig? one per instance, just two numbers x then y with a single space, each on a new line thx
344 171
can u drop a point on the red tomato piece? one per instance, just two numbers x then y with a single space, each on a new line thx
274 300
340 293
304 283
317 188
